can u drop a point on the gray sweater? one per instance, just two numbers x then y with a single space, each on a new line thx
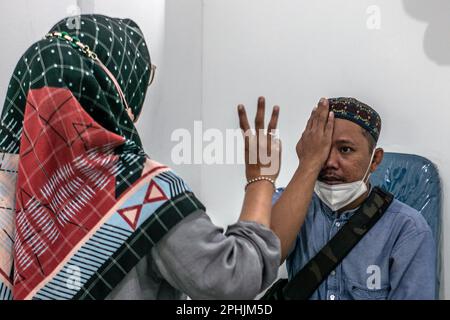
197 259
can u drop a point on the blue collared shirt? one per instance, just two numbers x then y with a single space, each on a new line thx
396 259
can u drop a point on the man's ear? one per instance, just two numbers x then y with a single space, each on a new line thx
377 158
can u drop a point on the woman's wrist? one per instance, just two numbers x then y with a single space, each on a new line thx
259 180
258 202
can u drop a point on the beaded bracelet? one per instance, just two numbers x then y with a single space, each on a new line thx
260 179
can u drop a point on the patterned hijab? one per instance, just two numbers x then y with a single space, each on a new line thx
81 203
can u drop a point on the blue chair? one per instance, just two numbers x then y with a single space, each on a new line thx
415 181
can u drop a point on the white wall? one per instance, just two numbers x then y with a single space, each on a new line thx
181 78
294 52
173 30
150 15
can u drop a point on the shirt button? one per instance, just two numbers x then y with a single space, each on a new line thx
338 224
332 297
333 273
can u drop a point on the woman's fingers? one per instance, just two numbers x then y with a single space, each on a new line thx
273 120
262 150
273 144
259 119
243 120
271 129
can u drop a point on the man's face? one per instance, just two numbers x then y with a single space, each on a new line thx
349 156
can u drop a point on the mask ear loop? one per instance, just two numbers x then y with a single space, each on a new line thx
365 179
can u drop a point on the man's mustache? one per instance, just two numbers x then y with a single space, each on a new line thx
326 175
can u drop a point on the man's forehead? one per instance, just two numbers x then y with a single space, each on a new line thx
347 131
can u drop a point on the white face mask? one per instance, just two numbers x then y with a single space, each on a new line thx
339 195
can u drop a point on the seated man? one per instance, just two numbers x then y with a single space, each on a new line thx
337 153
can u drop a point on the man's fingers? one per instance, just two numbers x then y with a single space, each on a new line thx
274 119
259 119
330 125
322 115
243 120
309 123
313 118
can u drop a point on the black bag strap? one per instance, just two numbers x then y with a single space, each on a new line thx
309 278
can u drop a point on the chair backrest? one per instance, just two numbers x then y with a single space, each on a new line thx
414 180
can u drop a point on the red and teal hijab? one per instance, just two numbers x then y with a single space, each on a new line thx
81 202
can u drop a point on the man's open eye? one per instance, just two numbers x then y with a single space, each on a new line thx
346 150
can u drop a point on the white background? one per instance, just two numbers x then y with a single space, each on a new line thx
213 54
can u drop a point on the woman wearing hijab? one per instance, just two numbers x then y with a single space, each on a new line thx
85 213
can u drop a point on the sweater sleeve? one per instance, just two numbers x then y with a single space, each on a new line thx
196 257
